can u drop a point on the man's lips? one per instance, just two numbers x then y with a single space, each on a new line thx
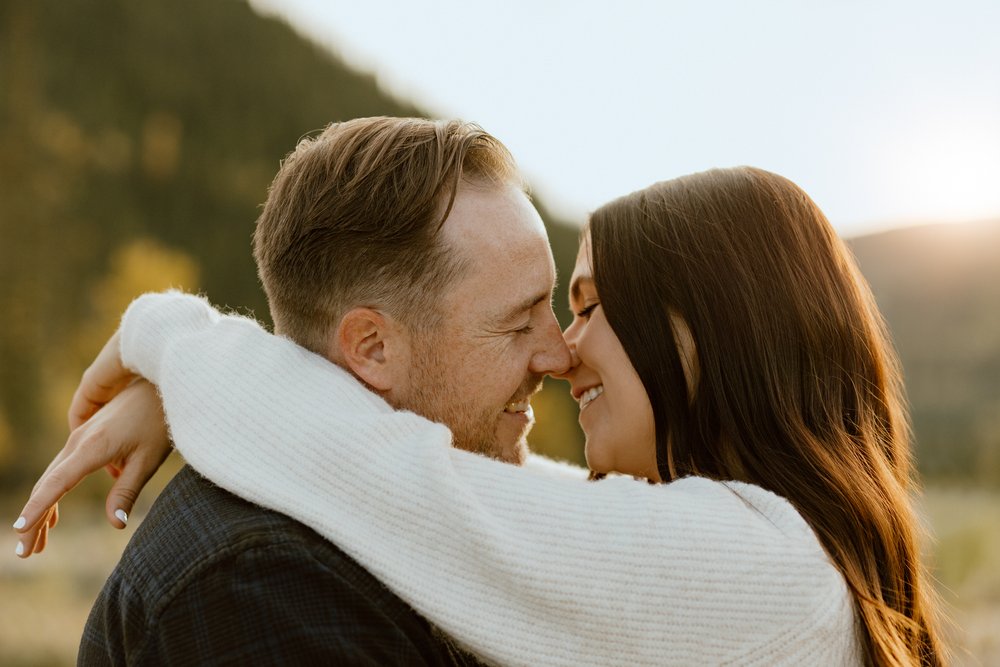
522 405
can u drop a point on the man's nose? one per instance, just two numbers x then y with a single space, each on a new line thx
553 358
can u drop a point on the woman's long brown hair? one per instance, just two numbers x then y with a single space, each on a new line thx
798 391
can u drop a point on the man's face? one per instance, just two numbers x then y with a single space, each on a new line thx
498 335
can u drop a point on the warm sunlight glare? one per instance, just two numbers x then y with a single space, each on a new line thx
945 169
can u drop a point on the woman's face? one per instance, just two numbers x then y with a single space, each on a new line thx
615 412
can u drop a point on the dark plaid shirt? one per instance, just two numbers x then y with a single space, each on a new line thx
210 579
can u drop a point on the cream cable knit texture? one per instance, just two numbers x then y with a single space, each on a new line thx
522 566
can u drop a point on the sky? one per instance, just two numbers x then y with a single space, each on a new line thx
886 112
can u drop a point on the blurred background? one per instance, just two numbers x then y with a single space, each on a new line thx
137 141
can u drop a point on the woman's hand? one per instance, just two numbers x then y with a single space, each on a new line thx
117 423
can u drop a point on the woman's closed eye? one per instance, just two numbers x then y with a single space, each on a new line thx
587 310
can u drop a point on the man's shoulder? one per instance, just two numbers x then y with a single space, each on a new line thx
196 529
195 525
208 574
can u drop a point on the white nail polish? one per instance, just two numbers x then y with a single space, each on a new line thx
20 523
19 549
122 516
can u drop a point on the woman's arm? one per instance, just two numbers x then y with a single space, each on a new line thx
521 566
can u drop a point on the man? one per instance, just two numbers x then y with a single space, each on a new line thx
407 252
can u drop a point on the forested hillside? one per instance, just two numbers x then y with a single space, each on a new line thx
137 140
939 288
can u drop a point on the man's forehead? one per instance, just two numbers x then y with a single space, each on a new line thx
494 217
499 236
496 226
521 275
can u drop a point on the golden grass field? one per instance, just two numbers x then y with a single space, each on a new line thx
45 600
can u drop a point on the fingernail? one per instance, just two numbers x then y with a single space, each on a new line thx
19 549
122 516
20 523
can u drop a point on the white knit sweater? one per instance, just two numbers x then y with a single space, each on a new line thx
523 566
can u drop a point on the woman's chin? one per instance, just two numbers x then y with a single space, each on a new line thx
599 459
603 460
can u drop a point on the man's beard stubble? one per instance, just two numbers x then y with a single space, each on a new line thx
434 397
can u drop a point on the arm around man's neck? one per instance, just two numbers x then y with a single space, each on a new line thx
521 568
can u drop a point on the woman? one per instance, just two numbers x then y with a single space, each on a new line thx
724 345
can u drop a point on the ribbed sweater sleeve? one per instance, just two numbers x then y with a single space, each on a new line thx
520 565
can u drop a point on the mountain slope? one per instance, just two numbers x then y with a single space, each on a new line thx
939 289
122 121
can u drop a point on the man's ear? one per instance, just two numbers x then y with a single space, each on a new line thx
371 344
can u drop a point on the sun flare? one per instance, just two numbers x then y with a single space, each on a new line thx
946 169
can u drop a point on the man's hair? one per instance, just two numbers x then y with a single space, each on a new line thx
353 219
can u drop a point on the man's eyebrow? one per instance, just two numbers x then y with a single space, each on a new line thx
575 287
521 307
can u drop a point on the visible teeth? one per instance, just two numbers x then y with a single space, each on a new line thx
518 406
589 395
